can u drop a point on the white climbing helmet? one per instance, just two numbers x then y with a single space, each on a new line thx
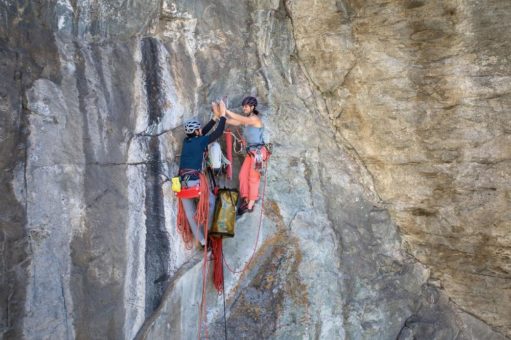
191 125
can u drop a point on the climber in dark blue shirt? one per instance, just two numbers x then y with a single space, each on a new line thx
197 140
192 156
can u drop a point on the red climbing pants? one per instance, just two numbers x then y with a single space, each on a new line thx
250 177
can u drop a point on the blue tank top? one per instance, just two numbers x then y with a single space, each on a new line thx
253 135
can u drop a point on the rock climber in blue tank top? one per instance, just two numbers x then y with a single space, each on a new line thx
249 176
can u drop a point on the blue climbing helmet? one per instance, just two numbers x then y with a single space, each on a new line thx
252 101
191 125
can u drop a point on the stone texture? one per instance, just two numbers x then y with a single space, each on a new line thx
387 203
418 106
22 29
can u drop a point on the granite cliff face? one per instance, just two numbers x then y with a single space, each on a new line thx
386 212
421 94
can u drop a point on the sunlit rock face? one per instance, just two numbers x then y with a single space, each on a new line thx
386 202
420 91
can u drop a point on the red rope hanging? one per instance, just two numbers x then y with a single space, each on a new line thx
218 270
182 226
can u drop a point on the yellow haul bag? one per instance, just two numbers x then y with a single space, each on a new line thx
224 218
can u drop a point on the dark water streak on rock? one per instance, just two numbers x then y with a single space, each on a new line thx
157 244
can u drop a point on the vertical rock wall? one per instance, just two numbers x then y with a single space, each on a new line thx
157 245
420 95
26 55
361 101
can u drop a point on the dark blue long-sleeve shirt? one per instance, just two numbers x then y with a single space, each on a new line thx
193 150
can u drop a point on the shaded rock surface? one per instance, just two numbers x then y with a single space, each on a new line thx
386 213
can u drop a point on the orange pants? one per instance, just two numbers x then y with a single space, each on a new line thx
249 177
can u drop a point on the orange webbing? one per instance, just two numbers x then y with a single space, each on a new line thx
218 275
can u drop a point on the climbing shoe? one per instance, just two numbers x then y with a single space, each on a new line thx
244 209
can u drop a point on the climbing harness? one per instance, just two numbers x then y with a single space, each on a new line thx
256 151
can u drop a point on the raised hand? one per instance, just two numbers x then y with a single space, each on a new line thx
215 109
222 108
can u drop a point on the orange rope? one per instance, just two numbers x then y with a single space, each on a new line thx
218 275
202 213
183 227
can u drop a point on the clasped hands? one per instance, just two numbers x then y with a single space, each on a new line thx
219 109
